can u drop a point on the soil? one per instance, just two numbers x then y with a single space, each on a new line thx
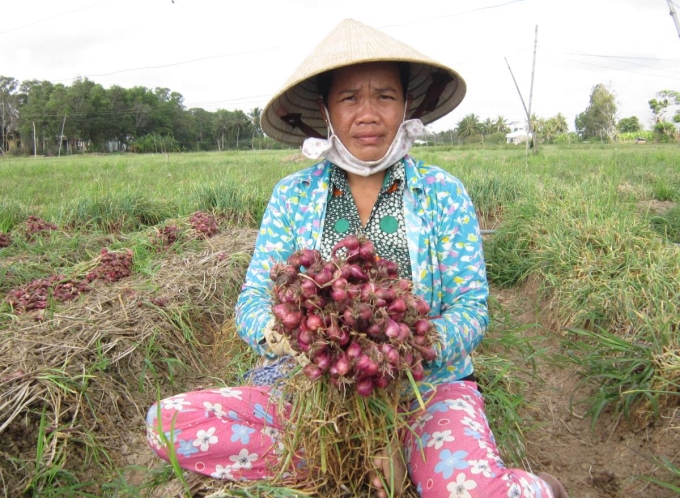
604 461
656 207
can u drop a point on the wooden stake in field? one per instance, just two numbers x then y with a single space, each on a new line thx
526 112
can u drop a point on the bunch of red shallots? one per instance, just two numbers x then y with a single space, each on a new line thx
353 317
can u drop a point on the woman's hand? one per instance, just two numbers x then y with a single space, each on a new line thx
392 468
278 344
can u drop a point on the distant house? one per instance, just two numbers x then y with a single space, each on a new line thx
115 146
517 137
13 142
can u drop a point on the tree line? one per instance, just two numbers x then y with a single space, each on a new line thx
599 118
46 118
597 122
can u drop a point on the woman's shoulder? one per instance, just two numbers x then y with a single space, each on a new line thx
305 177
430 176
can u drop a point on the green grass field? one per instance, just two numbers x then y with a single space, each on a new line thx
591 230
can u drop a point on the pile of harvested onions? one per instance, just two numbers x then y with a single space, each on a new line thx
364 332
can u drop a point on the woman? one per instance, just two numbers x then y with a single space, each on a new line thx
358 87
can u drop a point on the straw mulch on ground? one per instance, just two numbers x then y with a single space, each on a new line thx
76 381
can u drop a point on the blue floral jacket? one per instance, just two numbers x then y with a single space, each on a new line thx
444 244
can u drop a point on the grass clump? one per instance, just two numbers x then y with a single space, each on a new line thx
667 191
11 214
667 224
243 206
492 194
603 270
671 482
624 373
504 362
118 212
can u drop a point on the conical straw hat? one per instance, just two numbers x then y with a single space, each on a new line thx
353 43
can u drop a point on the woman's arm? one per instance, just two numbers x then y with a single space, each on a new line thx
275 242
464 288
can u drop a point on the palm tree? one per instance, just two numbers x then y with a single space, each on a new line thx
222 125
535 123
468 126
549 129
254 115
502 125
239 121
561 123
487 128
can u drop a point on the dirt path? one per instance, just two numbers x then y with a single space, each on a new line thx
603 462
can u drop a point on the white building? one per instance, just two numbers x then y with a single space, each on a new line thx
517 137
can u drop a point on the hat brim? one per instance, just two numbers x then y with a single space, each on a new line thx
300 94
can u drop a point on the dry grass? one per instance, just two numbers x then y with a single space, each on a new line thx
80 376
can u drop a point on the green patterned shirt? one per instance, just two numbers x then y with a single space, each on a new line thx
385 226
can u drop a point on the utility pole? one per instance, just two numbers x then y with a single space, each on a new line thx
531 93
527 111
674 15
61 138
35 144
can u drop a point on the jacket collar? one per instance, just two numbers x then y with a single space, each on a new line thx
322 170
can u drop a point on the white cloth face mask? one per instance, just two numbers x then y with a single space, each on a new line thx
336 152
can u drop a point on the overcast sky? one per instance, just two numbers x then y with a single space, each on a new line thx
236 54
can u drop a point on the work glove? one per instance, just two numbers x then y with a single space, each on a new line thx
278 344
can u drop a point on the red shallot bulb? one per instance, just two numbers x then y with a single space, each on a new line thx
365 386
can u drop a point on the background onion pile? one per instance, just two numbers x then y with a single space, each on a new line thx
112 266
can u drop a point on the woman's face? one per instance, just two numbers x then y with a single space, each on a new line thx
366 107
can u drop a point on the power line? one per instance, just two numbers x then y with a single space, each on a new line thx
53 17
275 48
173 63
615 56
623 59
131 110
451 15
252 98
650 67
621 69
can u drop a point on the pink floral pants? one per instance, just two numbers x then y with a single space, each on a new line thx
233 433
